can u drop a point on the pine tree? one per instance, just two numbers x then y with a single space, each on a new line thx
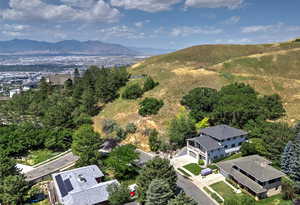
295 160
157 168
182 199
159 192
286 158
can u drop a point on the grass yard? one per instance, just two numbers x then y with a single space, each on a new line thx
38 156
223 189
274 200
193 168
184 172
226 192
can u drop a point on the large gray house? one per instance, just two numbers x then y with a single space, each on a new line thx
215 142
254 174
82 186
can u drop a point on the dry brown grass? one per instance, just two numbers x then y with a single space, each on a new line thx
178 77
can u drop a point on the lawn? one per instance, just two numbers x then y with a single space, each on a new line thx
223 189
193 168
38 156
274 200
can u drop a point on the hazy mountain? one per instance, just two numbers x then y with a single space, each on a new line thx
152 51
25 47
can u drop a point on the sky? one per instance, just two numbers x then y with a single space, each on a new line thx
170 24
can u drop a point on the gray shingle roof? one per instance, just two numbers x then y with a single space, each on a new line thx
256 166
260 170
222 132
80 187
207 142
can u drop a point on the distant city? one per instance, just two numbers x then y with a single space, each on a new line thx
19 73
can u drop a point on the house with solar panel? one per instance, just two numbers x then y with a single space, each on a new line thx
253 174
215 142
82 186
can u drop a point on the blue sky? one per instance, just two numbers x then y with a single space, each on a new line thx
152 23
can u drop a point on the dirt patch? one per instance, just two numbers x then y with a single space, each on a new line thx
136 65
193 71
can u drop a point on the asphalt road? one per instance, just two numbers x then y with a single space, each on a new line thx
51 167
193 191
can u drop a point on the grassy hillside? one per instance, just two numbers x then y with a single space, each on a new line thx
269 68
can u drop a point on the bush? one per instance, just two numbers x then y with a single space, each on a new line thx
201 162
118 194
149 84
131 128
154 142
109 126
133 91
217 198
150 106
120 133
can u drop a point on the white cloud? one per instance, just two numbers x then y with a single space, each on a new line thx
232 20
38 10
187 31
139 24
234 41
121 31
146 5
230 4
280 27
14 30
254 29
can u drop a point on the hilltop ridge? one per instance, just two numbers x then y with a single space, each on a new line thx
269 68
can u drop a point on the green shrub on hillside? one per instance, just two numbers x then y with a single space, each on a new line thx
133 91
150 106
149 84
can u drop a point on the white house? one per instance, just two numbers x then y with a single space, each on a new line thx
216 142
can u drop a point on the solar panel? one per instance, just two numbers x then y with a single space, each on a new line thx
68 185
61 185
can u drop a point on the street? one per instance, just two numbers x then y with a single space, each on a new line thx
193 191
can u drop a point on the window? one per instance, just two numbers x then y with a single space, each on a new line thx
240 143
226 146
233 145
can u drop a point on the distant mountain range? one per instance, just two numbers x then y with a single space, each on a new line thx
71 47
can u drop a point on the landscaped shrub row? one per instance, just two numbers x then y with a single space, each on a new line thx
184 172
217 198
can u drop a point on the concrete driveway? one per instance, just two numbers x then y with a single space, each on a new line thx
202 182
180 161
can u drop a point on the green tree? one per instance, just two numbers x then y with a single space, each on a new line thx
121 161
86 144
181 128
13 189
295 160
286 158
182 199
157 168
159 192
204 123
154 141
150 106
254 146
133 91
272 106
7 166
200 101
68 87
88 102
149 84
118 194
